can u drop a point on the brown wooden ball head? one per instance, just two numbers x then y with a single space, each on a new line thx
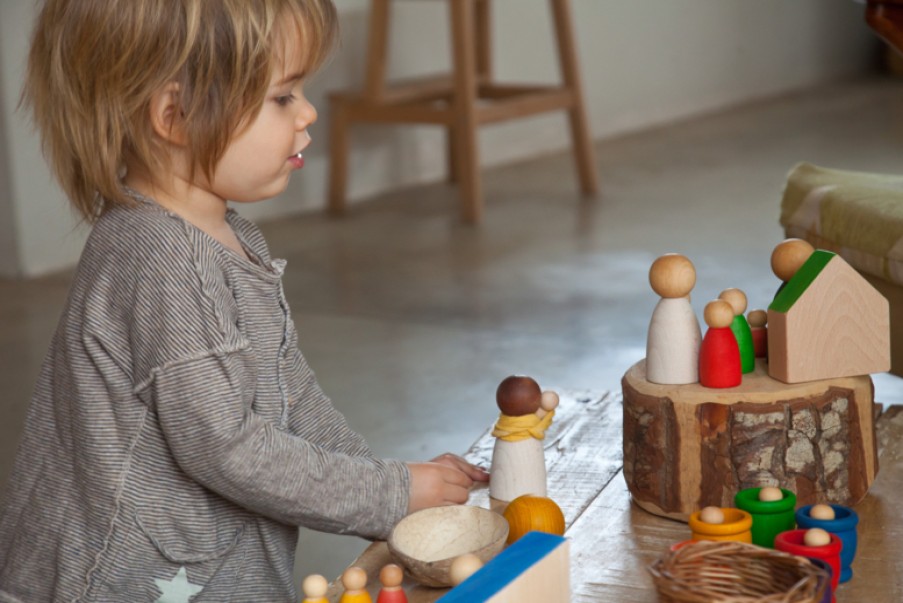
757 318
718 314
672 276
518 395
788 256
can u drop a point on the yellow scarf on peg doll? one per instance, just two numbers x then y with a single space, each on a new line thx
515 429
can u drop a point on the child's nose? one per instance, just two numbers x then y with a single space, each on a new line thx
307 115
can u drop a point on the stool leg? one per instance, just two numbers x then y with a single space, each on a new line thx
465 109
580 132
483 25
483 20
451 154
338 155
377 44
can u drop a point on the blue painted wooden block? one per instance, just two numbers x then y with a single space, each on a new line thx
535 569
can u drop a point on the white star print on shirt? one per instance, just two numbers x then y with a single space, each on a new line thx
177 590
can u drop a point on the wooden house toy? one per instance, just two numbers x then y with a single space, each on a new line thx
535 569
827 322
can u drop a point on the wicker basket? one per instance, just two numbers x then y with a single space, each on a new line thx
736 572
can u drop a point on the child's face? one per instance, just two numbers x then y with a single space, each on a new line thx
260 160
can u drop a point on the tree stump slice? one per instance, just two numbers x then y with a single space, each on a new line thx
687 446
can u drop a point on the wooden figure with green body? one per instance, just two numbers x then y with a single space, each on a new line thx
740 327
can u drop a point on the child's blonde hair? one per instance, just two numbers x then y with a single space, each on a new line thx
95 65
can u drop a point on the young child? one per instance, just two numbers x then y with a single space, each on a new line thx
177 437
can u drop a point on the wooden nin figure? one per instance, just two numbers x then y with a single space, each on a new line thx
390 577
758 321
787 257
672 344
741 329
314 588
518 459
719 355
354 579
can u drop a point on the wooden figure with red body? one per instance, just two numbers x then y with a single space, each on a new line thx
758 319
719 354
391 576
672 344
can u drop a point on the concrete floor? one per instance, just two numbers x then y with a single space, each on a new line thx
411 319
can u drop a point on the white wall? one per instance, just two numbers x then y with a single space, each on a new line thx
643 63
9 252
46 235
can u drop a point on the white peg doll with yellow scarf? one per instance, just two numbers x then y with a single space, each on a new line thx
518 459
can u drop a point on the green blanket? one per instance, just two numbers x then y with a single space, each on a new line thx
856 214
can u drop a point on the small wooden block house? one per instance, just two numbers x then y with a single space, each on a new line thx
535 569
827 322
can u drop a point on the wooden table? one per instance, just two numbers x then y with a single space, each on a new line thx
613 541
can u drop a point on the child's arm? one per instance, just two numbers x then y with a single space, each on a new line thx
313 417
204 408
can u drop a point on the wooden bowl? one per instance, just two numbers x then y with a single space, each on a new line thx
426 542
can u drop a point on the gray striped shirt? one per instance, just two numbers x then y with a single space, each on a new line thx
177 437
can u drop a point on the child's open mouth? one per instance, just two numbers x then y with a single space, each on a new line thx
297 161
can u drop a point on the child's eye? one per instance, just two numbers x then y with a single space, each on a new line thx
283 101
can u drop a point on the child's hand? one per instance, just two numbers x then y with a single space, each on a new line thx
477 474
436 485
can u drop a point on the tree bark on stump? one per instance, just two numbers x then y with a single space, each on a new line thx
688 446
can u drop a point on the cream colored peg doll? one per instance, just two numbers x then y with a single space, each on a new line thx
672 343
518 458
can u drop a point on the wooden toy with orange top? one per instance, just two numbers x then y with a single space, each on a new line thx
354 579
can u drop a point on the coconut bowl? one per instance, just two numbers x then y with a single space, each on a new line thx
426 542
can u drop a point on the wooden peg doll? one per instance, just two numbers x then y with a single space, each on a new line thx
757 320
737 299
787 257
314 588
672 343
354 579
391 577
518 459
719 354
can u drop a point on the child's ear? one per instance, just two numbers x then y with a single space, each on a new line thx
166 115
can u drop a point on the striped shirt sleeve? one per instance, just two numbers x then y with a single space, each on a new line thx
204 410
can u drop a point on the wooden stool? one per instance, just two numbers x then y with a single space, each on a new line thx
459 102
885 17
